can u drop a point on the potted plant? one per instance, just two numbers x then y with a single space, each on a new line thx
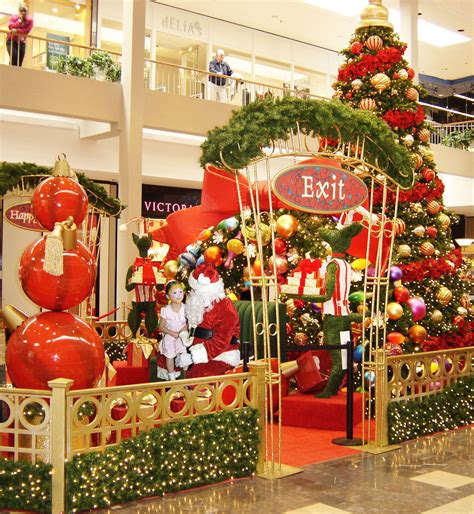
460 139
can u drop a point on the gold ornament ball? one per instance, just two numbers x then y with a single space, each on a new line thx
417 333
462 311
429 154
423 135
265 233
465 301
305 318
416 207
444 220
367 104
374 43
419 230
403 74
433 207
412 94
170 269
361 308
417 160
408 140
404 251
356 84
286 225
427 248
300 339
444 295
400 226
436 316
394 310
290 307
380 81
235 245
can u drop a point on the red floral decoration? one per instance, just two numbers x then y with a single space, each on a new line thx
421 191
404 120
432 268
462 338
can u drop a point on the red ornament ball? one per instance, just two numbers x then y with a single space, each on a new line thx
374 43
395 338
53 345
393 349
62 292
428 174
57 198
401 294
356 47
431 231
280 245
411 73
299 304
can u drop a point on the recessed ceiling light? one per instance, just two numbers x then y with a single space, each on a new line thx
78 7
55 10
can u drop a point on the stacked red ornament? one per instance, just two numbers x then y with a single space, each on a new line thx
57 272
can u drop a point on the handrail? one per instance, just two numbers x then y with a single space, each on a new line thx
67 43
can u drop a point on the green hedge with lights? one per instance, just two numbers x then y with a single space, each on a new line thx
449 409
173 457
25 486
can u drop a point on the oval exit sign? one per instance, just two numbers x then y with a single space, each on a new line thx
319 188
21 216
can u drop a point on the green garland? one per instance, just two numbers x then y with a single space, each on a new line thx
171 458
254 127
11 177
25 486
449 409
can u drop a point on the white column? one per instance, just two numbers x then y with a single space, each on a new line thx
131 134
409 32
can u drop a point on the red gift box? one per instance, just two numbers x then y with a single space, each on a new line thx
136 356
308 378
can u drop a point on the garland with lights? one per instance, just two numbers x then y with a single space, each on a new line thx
173 457
25 486
446 410
11 175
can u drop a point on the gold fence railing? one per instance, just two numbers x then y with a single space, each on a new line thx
414 377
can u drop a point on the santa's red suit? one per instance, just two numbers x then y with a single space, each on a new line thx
215 323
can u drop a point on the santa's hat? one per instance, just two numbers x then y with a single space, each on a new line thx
206 274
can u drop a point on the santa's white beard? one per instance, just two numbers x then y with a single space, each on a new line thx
201 299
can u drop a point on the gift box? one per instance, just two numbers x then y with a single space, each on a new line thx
301 290
140 350
308 378
308 282
305 279
158 277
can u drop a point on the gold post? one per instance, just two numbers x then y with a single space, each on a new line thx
59 386
258 400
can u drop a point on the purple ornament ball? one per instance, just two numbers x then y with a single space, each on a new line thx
395 273
418 308
371 271
314 307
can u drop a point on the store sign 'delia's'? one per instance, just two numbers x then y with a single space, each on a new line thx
21 216
319 188
182 26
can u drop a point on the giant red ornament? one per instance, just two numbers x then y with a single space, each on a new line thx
431 231
57 198
57 292
428 174
53 345
401 294
280 245
411 73
356 47
374 43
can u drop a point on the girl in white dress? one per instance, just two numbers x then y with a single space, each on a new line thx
172 323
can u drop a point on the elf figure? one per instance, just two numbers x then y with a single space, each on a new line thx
336 314
142 277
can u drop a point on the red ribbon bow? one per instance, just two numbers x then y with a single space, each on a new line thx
147 265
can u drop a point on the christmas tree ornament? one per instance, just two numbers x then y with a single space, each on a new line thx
393 349
356 47
369 378
444 220
401 294
423 135
418 308
400 226
417 333
290 307
404 251
54 345
186 260
229 224
235 245
367 104
358 352
462 311
58 197
57 292
357 297
395 273
356 84
306 318
394 310
436 316
257 268
427 249
433 207
289 329
403 74
380 81
408 140
360 264
428 174
411 73
300 339
280 245
205 234
416 207
374 43
286 225
212 255
265 233
315 307
444 295
395 338
465 300
417 160
419 230
280 262
412 94
170 269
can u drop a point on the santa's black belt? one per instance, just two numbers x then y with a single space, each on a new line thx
207 333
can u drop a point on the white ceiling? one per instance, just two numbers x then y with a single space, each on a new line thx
298 20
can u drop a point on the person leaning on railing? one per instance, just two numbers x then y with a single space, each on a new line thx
19 26
218 84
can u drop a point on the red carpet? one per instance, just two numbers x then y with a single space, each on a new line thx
304 410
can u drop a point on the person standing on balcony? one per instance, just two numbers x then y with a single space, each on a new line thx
218 84
19 25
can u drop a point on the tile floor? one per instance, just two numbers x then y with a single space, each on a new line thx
434 475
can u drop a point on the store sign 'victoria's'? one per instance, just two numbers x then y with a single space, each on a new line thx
320 188
21 216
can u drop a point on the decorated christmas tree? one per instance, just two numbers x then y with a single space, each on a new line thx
435 312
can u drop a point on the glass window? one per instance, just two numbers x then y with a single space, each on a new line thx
309 81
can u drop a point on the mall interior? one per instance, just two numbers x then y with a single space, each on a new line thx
135 126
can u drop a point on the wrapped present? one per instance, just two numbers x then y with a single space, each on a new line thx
308 282
305 279
301 290
308 378
139 350
146 271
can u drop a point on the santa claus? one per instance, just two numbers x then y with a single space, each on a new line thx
214 326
